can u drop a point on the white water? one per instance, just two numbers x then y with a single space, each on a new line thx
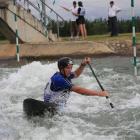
85 118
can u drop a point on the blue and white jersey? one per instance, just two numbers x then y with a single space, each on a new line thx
58 89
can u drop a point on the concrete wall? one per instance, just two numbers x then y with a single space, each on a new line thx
2 13
32 32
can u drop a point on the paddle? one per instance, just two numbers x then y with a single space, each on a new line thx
112 106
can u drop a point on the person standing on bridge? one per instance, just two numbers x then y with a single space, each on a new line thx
81 20
73 24
58 88
112 18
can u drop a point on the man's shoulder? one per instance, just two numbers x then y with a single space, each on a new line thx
58 80
74 9
57 77
57 74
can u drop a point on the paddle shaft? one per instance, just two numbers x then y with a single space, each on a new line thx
112 106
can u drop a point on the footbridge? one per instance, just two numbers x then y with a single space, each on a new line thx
31 29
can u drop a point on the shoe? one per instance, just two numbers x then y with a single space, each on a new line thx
77 38
71 38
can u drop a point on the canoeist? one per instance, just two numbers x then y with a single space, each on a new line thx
58 88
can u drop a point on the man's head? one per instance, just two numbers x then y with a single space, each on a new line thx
74 3
65 65
111 3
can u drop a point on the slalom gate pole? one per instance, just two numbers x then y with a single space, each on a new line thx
134 38
16 30
112 106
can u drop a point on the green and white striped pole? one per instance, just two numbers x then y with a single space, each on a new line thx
16 30
134 38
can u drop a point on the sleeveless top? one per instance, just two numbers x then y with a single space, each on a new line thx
81 11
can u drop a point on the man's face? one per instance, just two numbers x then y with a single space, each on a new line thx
74 5
68 69
111 4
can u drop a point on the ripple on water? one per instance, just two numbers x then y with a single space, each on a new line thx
86 118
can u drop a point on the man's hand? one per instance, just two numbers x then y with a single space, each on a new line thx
86 60
103 93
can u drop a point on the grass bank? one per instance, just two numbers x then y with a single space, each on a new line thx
126 36
98 38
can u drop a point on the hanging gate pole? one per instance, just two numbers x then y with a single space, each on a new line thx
134 38
16 30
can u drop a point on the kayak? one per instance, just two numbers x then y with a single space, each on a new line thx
33 107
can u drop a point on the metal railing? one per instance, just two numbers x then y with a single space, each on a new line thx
59 20
26 21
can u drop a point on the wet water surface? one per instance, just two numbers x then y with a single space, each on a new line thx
86 117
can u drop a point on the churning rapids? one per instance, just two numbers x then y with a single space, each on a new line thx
86 117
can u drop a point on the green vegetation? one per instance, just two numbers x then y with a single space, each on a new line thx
3 40
124 36
98 30
2 37
100 27
100 38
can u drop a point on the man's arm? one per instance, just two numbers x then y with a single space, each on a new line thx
65 8
118 9
80 69
88 92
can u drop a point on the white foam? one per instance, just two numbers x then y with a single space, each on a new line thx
82 111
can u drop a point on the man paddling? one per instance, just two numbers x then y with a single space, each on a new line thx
58 88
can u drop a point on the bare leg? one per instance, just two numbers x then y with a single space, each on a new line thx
78 31
85 31
81 30
71 29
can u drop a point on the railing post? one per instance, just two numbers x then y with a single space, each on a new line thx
44 12
16 30
57 26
